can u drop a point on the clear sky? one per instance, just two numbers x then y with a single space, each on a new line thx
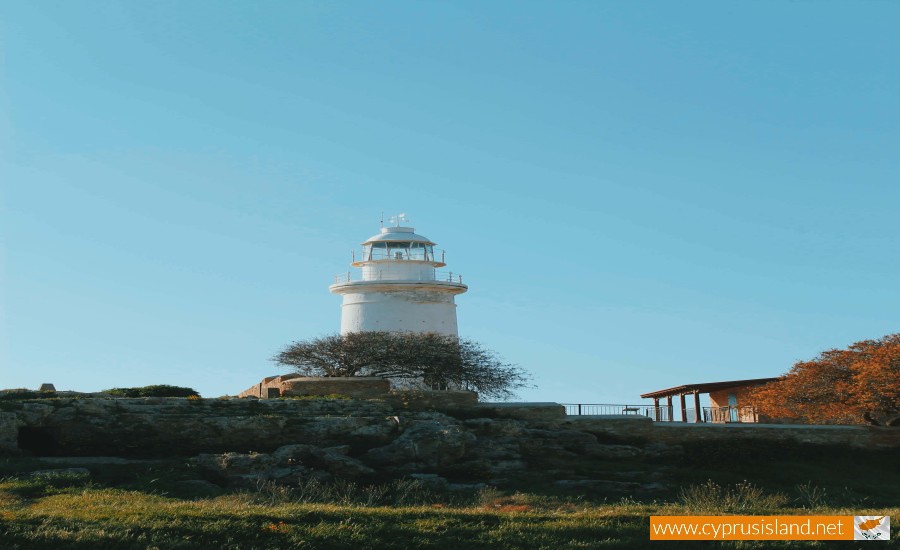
639 194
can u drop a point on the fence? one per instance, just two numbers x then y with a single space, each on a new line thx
662 414
715 415
730 414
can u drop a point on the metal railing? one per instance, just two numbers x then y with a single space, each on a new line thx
439 276
721 415
661 414
664 413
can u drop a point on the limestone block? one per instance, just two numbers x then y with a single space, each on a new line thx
432 441
333 460
9 432
356 387
613 451
62 472
433 400
431 481
495 427
523 411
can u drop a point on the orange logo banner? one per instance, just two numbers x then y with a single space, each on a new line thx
752 527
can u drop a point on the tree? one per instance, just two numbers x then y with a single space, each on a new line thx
849 386
434 360
160 390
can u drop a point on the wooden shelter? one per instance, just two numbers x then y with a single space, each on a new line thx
724 399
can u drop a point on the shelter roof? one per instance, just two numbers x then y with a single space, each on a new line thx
707 387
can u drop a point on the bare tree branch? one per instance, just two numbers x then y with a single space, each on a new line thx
436 360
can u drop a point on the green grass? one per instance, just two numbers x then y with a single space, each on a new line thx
73 512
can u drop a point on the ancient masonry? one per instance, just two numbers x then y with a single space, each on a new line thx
443 438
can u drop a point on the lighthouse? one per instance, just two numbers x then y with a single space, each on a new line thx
399 288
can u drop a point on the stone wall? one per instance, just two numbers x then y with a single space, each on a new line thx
294 385
638 428
442 437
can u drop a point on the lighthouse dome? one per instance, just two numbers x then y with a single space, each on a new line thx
398 234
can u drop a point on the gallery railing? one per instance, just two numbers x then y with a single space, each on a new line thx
438 276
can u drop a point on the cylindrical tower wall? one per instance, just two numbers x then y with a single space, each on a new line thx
410 310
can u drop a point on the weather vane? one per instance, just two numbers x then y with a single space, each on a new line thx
398 219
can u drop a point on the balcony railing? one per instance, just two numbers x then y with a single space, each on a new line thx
715 415
721 415
439 276
661 414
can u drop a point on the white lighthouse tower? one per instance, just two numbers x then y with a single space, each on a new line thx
399 289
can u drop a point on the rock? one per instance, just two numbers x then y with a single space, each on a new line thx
566 443
297 453
434 440
497 448
235 463
378 433
9 432
523 411
338 450
628 475
502 467
600 486
465 487
663 450
249 469
436 400
333 460
495 427
653 487
62 472
612 451
430 481
344 467
400 452
93 460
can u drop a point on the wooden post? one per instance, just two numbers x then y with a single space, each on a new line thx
669 406
683 409
656 409
697 406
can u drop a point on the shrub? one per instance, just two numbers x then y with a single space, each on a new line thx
399 492
160 390
14 395
711 498
810 496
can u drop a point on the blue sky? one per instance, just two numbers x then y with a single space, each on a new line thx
638 194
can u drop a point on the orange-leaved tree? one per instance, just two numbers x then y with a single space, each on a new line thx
841 386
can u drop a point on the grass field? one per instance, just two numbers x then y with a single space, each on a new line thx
72 511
